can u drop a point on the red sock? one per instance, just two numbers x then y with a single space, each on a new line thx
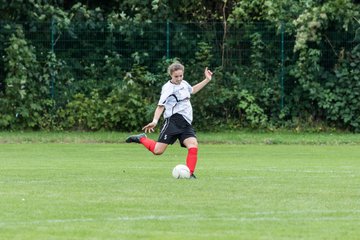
148 143
191 159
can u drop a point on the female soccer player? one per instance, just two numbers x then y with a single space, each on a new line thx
175 104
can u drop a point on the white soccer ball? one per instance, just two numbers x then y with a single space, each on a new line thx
181 171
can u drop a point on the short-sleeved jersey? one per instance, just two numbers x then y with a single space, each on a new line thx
176 99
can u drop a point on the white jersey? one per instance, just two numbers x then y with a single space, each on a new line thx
176 99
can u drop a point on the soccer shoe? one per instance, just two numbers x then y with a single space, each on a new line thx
135 138
192 176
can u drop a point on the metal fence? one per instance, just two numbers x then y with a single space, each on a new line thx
239 46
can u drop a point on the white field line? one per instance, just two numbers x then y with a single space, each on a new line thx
297 170
271 216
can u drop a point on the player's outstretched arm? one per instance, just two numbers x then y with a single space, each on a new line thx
150 126
208 76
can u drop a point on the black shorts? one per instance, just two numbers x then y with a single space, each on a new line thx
176 127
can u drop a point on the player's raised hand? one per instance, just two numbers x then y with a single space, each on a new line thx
208 74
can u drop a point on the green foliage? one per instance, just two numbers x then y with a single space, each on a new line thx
61 80
248 10
228 107
341 97
100 65
25 99
124 108
325 91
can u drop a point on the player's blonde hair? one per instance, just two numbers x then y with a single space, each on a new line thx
174 67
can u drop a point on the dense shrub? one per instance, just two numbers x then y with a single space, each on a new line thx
102 65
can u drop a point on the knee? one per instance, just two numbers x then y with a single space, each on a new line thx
159 148
192 144
158 151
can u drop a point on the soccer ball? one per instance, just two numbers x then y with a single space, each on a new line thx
181 171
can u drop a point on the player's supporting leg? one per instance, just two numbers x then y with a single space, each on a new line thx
191 159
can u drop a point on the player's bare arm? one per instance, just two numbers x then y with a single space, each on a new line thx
158 112
208 76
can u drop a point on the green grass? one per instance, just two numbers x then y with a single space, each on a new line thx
239 137
83 188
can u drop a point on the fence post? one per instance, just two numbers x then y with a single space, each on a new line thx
53 52
282 72
167 39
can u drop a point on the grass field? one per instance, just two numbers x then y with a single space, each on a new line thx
91 186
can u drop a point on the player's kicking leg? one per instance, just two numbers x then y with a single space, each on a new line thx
156 148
